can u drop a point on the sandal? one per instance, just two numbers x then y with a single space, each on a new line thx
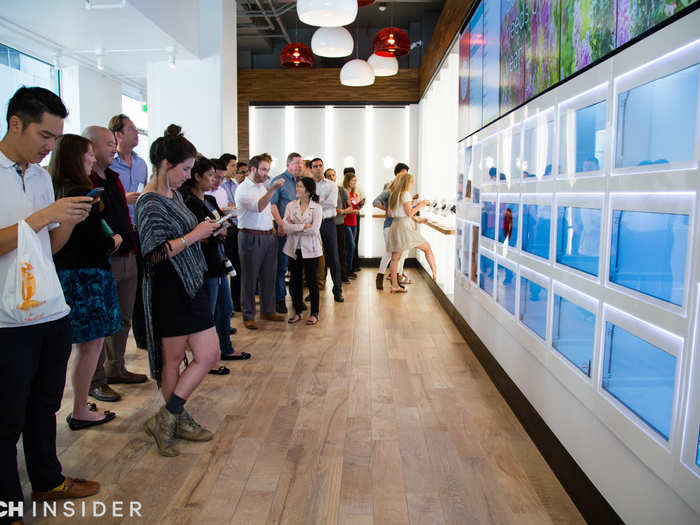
295 319
310 322
221 371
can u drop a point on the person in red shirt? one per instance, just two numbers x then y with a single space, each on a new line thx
351 219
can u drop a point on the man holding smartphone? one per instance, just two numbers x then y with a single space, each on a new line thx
34 354
111 368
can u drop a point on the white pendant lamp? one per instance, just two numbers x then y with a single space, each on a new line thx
383 66
332 42
357 73
327 13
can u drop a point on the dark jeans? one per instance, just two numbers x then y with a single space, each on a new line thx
340 237
138 320
231 248
297 267
221 308
282 262
330 254
33 362
350 245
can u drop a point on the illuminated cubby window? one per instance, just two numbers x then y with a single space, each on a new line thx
533 306
536 225
578 238
573 333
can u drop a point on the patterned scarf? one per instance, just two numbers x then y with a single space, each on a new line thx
158 220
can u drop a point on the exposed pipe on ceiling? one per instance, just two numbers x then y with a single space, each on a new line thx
279 21
260 14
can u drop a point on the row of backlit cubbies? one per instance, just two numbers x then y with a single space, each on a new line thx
575 269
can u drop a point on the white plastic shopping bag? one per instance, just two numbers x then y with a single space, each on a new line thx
32 290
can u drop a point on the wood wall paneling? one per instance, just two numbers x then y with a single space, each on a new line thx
322 85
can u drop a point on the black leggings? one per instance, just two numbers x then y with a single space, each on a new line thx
296 282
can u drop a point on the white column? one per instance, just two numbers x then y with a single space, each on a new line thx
200 95
90 97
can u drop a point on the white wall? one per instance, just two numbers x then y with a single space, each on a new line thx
91 98
200 95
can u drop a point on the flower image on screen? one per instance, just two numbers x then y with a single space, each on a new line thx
541 46
587 33
636 16
515 27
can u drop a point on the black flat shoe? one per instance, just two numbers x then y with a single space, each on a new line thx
80 424
221 371
233 330
235 357
338 299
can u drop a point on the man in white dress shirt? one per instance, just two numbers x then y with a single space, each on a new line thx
257 242
327 191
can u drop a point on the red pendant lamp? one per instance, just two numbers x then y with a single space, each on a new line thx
391 42
296 55
364 3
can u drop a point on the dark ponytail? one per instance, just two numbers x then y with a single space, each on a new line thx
172 146
310 185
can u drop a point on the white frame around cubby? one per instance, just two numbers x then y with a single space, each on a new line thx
594 95
491 139
491 255
676 202
632 429
588 303
508 198
513 266
538 121
662 66
546 283
580 200
471 224
540 199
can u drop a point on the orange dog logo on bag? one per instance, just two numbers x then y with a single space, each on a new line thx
28 288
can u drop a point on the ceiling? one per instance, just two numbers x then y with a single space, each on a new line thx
261 38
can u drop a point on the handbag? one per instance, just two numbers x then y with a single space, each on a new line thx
31 290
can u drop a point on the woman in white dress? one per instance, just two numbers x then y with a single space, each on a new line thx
403 234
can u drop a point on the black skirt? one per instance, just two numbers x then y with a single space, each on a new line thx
174 313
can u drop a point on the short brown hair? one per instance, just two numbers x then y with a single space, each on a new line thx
292 156
116 123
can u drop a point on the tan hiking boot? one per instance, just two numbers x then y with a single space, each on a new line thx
189 429
162 428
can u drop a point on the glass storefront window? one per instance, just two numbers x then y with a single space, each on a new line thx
578 238
536 224
488 219
656 122
17 70
573 333
641 376
505 289
508 225
533 306
486 268
648 252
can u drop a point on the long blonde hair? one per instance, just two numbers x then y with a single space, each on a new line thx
401 183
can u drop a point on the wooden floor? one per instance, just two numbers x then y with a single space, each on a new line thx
380 414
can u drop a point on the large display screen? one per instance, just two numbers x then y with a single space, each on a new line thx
526 46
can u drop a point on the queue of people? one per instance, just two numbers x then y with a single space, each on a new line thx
171 256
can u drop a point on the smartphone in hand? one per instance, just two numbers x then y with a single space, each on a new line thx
95 193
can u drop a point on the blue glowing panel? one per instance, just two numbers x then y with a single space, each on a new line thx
641 376
647 253
508 227
533 306
656 121
573 333
578 238
536 229
505 289
588 146
488 219
697 456
486 274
